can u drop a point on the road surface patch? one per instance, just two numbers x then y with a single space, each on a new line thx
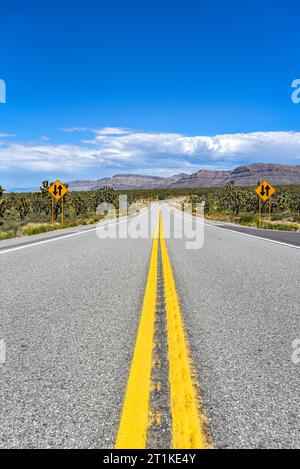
2 352
159 430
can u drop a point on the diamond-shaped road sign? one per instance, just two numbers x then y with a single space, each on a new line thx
265 191
58 190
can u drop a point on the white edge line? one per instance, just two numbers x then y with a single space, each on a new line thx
38 243
174 210
58 238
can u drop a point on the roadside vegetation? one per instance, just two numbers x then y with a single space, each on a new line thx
240 205
23 214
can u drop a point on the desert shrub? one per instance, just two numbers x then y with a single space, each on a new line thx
248 220
6 235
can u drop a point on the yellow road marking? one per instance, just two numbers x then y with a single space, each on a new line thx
188 421
135 415
155 418
189 425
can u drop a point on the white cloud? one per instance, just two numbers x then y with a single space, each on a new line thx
227 148
4 135
112 149
112 131
102 131
71 130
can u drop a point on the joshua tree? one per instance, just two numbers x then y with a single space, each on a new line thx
23 206
2 205
234 198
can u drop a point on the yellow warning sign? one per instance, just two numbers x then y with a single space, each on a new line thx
58 190
265 191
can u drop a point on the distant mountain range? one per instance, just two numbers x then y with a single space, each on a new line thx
247 175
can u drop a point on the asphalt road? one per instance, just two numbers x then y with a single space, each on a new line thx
69 316
70 310
286 237
240 299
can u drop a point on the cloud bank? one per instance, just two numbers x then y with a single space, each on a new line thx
109 150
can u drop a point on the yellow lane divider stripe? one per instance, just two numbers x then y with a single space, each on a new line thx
188 421
135 415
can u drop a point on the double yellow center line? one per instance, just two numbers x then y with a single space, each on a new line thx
188 422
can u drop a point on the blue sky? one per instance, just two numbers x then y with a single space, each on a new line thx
154 87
